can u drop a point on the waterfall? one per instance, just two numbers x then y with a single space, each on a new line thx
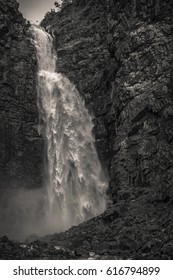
76 185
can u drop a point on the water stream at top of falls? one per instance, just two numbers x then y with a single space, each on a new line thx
76 184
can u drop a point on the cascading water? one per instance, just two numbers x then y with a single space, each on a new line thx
76 185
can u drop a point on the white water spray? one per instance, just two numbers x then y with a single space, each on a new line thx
76 185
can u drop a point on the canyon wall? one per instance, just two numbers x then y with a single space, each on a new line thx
20 144
119 55
21 148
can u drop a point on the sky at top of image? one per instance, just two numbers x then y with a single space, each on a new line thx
35 10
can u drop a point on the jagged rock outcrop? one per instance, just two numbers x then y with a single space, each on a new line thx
119 54
20 145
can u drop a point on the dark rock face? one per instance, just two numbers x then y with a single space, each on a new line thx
20 144
34 250
142 42
119 54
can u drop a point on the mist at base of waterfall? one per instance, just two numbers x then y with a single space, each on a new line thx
24 212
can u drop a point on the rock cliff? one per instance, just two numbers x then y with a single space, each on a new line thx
20 145
119 54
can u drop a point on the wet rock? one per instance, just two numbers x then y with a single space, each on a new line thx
4 239
110 214
77 252
101 247
167 249
113 245
91 254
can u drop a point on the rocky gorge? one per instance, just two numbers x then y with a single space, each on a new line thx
119 54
